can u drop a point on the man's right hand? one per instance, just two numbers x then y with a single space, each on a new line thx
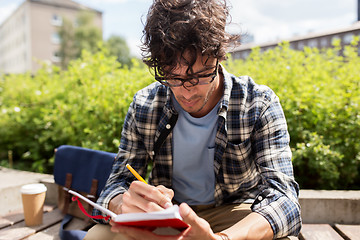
142 197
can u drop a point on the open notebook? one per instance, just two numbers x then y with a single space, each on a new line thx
169 217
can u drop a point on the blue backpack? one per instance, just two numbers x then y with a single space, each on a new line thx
84 171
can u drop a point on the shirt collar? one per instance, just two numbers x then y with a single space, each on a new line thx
228 84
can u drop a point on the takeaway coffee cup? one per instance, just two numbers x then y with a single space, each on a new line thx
33 198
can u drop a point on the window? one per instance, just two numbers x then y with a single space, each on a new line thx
56 57
323 42
348 38
56 20
301 45
335 39
312 43
55 38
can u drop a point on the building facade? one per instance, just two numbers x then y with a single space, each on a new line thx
318 40
30 35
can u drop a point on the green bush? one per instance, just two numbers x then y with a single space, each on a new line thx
320 95
83 106
86 106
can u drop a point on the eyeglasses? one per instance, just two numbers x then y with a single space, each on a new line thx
193 81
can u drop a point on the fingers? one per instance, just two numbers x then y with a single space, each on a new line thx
168 194
137 202
188 215
166 191
198 225
142 197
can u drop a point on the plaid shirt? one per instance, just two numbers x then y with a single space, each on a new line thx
252 154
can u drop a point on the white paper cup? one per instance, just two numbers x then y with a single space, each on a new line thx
33 198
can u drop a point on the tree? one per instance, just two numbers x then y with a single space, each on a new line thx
74 39
67 47
118 47
87 35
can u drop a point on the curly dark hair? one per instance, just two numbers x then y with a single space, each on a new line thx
174 27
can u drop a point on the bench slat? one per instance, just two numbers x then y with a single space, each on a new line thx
18 216
318 232
349 232
20 230
11 218
51 233
16 233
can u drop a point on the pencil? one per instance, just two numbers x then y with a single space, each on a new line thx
135 173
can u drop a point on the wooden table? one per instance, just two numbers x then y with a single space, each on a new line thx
12 226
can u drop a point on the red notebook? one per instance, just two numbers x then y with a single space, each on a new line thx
169 217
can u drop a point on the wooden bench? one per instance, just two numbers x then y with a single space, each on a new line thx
328 232
12 226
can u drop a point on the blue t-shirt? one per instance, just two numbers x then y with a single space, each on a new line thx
193 157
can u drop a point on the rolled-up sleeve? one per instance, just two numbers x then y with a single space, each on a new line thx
278 201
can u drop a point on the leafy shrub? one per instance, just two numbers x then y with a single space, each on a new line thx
320 94
83 106
86 106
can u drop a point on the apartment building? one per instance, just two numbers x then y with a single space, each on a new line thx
30 35
319 40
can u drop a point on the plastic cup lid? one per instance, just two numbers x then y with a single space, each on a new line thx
33 188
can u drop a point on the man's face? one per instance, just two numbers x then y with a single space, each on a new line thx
198 100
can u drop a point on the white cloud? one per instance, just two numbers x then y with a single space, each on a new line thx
278 19
267 20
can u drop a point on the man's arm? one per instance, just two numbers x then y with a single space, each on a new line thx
278 201
253 226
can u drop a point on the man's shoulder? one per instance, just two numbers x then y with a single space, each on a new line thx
252 91
153 96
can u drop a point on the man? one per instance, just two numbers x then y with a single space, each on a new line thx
218 144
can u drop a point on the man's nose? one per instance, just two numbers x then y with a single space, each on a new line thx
187 91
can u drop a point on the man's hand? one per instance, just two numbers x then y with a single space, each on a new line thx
199 229
142 197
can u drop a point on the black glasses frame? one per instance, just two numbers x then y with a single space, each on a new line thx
193 81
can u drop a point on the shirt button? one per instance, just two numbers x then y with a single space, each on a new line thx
168 126
260 198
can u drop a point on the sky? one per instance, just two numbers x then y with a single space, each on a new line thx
266 20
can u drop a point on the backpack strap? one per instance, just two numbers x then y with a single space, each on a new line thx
67 196
92 195
164 133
